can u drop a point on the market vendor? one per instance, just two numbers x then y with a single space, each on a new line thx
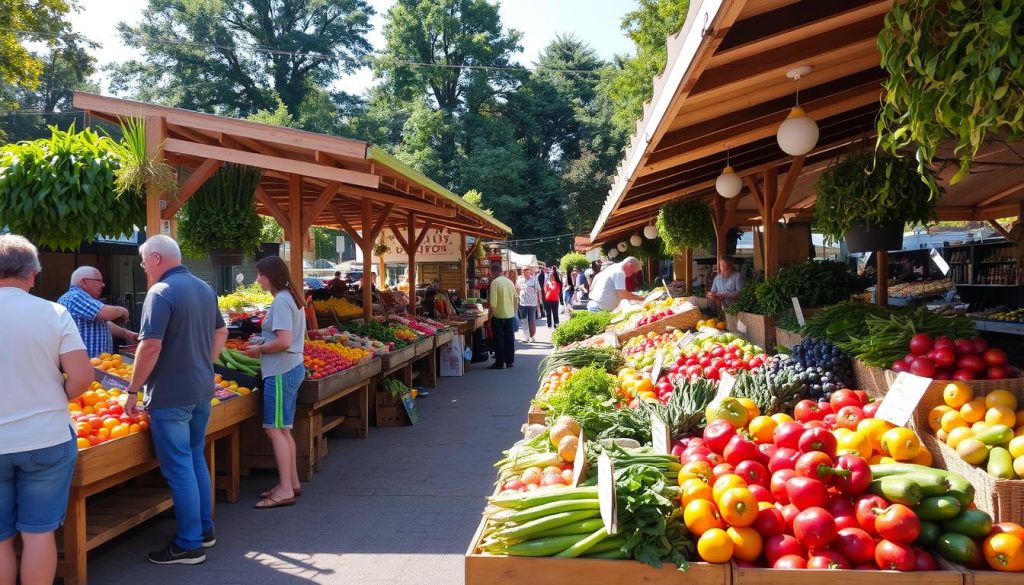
728 284
609 285
94 319
906 271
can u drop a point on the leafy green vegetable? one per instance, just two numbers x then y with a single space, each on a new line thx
222 214
685 224
649 519
683 413
773 393
607 358
840 322
585 397
581 325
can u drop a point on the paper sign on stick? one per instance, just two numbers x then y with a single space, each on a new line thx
902 398
661 440
799 311
606 492
726 382
579 464
658 362
939 261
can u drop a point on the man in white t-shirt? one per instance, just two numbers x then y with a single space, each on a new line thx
609 285
529 302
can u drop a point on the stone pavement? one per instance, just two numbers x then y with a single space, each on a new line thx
397 508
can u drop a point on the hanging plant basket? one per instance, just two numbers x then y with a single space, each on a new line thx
267 249
226 257
871 238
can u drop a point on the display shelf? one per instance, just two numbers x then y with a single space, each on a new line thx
999 327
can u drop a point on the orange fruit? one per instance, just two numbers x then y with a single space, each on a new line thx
1001 398
746 541
973 411
957 394
935 416
695 490
901 443
715 546
1001 415
700 516
83 443
951 420
761 428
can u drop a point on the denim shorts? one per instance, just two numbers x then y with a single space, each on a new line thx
34 489
280 393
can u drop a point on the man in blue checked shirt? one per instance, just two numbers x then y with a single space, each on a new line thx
94 319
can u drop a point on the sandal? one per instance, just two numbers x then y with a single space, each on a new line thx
269 502
267 493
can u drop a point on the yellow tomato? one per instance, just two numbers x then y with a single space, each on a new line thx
1001 398
957 394
854 442
973 411
874 428
901 444
1016 446
695 490
1001 415
781 417
761 428
935 416
951 420
725 482
980 427
958 434
701 516
746 541
923 458
715 546
74 406
82 443
752 410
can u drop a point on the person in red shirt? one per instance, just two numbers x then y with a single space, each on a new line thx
552 295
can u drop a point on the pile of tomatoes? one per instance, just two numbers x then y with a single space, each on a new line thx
554 381
944 358
323 359
711 362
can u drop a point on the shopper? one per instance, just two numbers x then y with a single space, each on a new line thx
94 319
610 285
727 284
181 333
569 291
502 299
37 444
552 294
541 279
282 368
529 303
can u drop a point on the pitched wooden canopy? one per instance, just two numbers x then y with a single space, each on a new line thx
724 93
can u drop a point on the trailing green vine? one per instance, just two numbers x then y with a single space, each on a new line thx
686 225
222 213
955 71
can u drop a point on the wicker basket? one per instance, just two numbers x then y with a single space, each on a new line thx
870 379
685 319
1002 498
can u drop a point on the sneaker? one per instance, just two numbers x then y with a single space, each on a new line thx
496 366
508 365
172 555
209 540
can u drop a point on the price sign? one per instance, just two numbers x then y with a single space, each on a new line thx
665 284
799 311
939 261
606 492
661 440
658 363
579 464
687 339
725 385
741 326
903 397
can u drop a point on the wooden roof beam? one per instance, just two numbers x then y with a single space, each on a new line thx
273 163
1002 194
191 185
313 211
401 202
787 186
346 226
272 208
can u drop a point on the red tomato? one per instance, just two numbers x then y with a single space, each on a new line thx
717 435
980 345
807 410
761 493
870 409
924 561
865 507
898 523
829 421
844 397
849 417
827 559
787 434
790 562
769 522
970 361
864 398
720 470
805 492
923 367
857 480
855 544
839 505
814 528
776 547
825 408
740 449
847 521
921 344
944 341
900 366
753 471
964 375
815 464
997 373
893 556
789 513
778 485
818 440
944 357
784 458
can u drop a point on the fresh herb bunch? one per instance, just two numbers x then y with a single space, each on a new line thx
870 189
839 322
581 325
747 301
585 397
817 283
888 337
649 518
606 358
772 297
683 413
772 391
685 224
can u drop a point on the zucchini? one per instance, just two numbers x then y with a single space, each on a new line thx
898 490
938 508
1000 464
995 435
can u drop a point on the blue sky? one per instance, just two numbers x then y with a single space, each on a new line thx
594 21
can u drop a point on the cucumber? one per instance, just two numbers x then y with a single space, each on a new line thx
929 535
956 548
964 498
885 470
1000 463
958 483
898 490
931 484
995 435
938 508
971 522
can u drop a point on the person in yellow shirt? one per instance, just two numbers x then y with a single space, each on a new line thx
502 299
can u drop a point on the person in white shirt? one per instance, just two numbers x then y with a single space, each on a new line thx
530 297
609 285
727 284
38 446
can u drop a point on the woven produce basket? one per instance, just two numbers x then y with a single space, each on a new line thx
870 379
1002 498
685 319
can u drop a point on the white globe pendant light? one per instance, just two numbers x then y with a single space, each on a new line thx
613 253
635 240
651 232
798 134
622 246
728 184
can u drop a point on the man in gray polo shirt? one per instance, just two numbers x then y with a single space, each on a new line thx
181 333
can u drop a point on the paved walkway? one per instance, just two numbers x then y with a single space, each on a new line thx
398 508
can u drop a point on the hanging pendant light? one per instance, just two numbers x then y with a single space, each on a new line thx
613 253
728 184
798 134
635 240
651 232
622 246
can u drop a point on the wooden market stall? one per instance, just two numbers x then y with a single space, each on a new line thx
725 91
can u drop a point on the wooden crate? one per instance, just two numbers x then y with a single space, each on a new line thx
484 569
536 416
989 577
787 338
757 576
316 390
758 329
390 412
686 319
397 357
424 346
443 337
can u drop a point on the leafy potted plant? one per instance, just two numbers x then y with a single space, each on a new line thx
574 261
684 225
220 220
867 198
381 249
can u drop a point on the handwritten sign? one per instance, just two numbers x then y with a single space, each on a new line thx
726 382
687 339
799 311
661 439
903 397
659 361
939 261
579 464
741 326
606 492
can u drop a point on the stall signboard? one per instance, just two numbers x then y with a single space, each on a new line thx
437 246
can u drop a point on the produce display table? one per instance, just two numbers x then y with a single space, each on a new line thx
425 364
320 409
97 513
443 337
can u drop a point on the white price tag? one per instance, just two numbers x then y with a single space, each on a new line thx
659 361
799 311
902 398
741 326
939 261
687 339
606 492
726 382
579 464
661 439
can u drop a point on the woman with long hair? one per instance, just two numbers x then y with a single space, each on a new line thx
282 368
552 294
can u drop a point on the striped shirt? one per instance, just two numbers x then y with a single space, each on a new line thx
84 310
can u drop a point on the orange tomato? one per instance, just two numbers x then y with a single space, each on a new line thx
958 434
701 469
83 429
119 431
957 394
923 458
725 482
761 428
1008 528
781 417
951 419
901 443
90 398
854 442
715 546
752 410
699 516
110 423
738 506
1001 398
1001 415
746 541
83 443
935 416
1004 552
973 411
695 490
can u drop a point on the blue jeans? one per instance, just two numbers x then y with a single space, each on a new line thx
179 436
34 489
527 317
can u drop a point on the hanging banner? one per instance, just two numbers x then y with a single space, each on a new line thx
435 247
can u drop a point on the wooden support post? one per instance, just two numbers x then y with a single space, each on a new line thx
771 223
688 270
156 135
367 225
383 272
882 268
463 267
295 235
410 235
